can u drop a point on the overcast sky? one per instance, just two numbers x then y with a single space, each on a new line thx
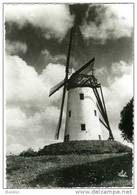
36 41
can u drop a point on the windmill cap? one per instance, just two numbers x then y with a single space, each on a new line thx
82 80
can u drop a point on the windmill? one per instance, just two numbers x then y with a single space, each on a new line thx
84 103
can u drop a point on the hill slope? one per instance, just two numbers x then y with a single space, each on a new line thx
77 164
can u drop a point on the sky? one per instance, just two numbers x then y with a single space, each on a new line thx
36 43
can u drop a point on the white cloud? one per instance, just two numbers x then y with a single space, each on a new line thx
118 94
35 131
120 68
30 113
53 19
107 75
23 85
112 21
25 131
26 88
15 119
15 149
54 72
15 47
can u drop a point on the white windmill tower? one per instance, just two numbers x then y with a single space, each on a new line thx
85 104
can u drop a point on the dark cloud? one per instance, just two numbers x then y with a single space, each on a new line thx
79 11
82 51
91 14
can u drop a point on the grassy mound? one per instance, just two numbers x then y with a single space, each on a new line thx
84 147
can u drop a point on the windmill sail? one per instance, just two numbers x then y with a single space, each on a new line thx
85 68
56 87
102 109
61 113
64 89
89 69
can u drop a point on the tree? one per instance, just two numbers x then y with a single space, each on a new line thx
126 122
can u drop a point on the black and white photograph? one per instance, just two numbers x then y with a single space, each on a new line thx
69 95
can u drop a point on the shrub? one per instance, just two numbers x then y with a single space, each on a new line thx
27 153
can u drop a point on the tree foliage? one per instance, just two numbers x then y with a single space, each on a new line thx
126 123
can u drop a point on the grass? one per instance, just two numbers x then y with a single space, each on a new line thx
71 169
87 175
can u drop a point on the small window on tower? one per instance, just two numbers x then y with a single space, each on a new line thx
69 113
83 127
95 112
81 96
